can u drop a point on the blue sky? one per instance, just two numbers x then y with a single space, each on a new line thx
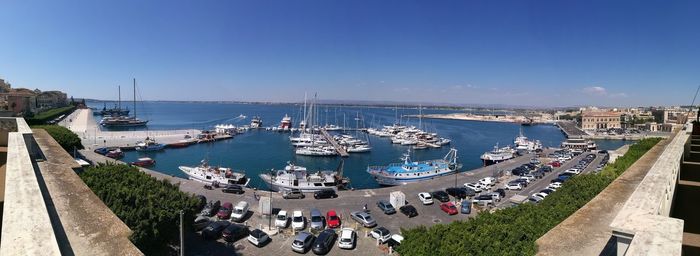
540 53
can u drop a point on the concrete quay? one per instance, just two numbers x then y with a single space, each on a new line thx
82 122
347 202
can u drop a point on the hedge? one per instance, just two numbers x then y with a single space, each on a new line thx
513 231
66 138
48 115
150 207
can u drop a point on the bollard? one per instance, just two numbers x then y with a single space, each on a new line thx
377 241
391 249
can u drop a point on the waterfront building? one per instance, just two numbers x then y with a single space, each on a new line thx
51 99
594 120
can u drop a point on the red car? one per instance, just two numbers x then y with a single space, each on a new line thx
449 208
225 211
555 164
332 219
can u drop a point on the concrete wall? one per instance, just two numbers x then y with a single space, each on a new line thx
643 226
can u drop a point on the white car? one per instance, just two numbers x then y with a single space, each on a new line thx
573 170
381 233
425 198
488 181
555 185
537 197
513 186
347 237
540 194
473 186
528 177
257 237
282 219
298 220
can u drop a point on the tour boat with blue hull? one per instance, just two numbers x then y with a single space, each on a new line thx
409 171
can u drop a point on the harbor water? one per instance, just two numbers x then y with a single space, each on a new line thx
258 151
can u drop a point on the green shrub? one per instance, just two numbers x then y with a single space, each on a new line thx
66 138
48 115
513 231
150 207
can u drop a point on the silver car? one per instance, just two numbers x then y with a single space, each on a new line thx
302 242
316 219
363 218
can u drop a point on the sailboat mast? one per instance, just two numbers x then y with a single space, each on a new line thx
420 117
119 102
134 97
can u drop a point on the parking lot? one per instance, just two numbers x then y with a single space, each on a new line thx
349 201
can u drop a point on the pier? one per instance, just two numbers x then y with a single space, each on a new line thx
570 129
341 151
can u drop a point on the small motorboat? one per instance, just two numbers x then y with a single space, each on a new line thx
144 162
115 154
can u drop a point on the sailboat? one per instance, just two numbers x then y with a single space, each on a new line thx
124 121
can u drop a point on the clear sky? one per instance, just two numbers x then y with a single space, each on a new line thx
541 53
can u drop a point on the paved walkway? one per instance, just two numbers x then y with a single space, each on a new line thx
82 122
587 231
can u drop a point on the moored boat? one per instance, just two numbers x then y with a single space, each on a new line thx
115 154
298 177
149 145
144 162
209 174
497 155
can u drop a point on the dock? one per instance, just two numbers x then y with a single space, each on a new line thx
341 151
570 130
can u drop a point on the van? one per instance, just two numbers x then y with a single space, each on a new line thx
488 181
240 211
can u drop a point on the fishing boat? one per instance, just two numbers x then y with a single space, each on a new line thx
298 177
182 143
221 175
522 143
497 155
124 121
149 145
410 171
144 162
256 122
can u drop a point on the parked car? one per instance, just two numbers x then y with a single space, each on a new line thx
495 195
522 181
488 181
302 242
409 210
347 238
547 191
546 168
501 192
473 186
573 171
465 207
460 193
298 220
316 219
381 233
332 219
324 242
234 232
213 231
232 188
224 211
514 186
483 199
211 208
528 177
535 199
386 207
425 198
538 174
395 240
555 164
293 194
363 218
540 194
326 193
449 208
201 222
441 196
258 238
239 211
282 219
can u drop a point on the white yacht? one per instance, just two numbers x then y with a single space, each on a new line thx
297 177
497 155
208 174
522 143
315 151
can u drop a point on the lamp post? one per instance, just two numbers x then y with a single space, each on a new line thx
269 219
